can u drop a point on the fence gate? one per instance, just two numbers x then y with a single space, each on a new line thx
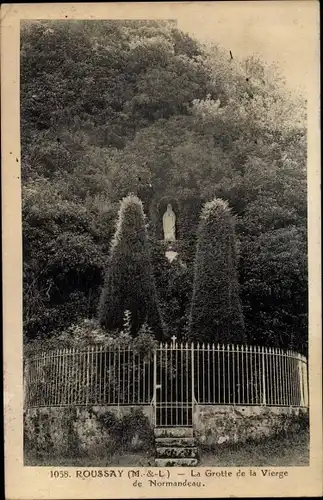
174 385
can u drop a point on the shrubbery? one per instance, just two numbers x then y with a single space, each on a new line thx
89 333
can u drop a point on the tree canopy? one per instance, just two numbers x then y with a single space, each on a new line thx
113 107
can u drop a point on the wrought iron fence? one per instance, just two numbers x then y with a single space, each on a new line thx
205 374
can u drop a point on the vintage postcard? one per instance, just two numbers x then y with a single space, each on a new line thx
161 243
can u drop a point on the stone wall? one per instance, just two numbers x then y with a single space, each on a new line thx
102 431
219 424
93 431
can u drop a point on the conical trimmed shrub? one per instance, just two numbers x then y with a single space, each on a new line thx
129 281
216 311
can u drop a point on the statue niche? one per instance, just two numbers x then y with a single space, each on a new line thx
169 221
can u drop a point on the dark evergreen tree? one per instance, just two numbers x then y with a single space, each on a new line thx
129 281
216 311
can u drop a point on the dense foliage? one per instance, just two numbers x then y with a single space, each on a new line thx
113 107
129 282
216 311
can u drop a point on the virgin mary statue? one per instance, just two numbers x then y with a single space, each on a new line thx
169 220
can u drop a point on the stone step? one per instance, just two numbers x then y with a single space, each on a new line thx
175 452
175 441
173 432
176 462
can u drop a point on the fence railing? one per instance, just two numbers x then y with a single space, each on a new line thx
206 374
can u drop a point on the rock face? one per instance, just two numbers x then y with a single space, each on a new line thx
175 447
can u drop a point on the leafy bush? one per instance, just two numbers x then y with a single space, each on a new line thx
89 333
123 430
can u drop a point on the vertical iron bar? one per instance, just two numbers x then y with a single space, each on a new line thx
277 397
78 376
270 377
186 381
96 384
208 375
43 379
292 376
108 373
198 373
171 384
223 374
119 377
280 370
37 379
149 381
192 372
252 389
297 381
161 383
257 388
123 375
203 373
306 388
296 397
154 385
100 373
65 357
88 376
302 381
72 376
248 359
287 377
219 374
233 347
56 376
243 374
53 377
239 373
229 378
104 374
128 384
284 377
182 385
213 371
263 378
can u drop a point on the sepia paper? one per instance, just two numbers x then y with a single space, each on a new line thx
283 31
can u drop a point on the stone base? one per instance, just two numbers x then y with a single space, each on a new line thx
99 430
94 431
218 424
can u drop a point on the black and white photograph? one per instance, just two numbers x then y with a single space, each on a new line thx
165 272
